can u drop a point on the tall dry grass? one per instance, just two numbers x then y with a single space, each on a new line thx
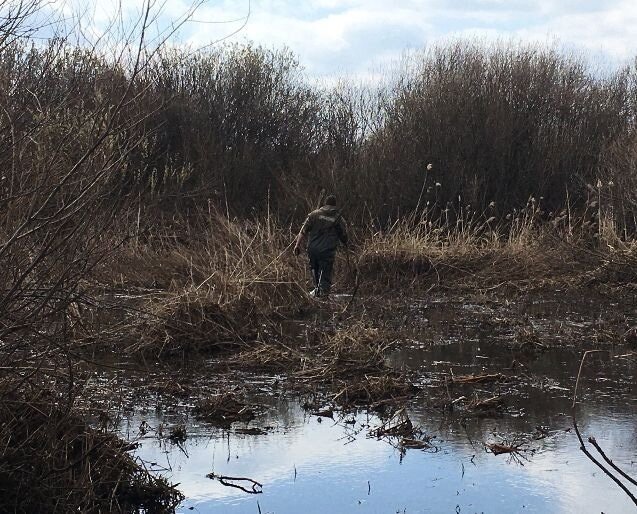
527 248
210 284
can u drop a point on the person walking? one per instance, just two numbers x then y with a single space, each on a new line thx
324 229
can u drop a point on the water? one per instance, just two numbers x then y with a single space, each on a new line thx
307 466
311 465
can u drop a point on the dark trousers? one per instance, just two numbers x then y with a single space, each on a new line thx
322 265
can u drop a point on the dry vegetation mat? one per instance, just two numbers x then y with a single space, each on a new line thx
224 409
52 461
347 365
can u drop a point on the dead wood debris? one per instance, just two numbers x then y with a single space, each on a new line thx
247 485
267 357
346 353
324 413
493 403
373 391
351 363
630 336
398 425
478 406
171 387
498 448
517 450
178 434
251 431
478 379
399 431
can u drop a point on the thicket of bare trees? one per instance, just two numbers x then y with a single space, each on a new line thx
65 116
241 126
502 124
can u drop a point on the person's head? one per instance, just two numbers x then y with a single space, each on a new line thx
330 200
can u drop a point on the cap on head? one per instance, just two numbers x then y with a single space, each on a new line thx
330 200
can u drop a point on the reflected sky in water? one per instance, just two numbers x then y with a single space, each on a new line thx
311 467
308 467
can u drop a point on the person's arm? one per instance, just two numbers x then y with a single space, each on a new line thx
342 231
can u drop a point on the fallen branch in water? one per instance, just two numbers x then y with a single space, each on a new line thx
397 425
498 448
493 403
592 439
399 432
475 379
594 442
255 487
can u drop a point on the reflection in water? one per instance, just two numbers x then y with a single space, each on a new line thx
307 466
322 467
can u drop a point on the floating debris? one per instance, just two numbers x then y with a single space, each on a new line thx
178 434
401 433
398 425
516 450
478 379
486 405
327 413
245 484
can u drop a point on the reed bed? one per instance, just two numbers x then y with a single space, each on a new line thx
230 285
524 249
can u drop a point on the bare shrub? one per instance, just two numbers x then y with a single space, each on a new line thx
500 124
66 115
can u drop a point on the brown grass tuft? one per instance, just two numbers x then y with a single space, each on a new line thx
193 322
52 461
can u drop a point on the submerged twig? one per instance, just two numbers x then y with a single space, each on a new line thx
579 436
594 442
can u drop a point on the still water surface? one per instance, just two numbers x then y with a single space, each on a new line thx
309 465
335 466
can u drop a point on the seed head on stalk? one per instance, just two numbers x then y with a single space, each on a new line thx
429 167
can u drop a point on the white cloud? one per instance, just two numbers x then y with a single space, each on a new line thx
346 36
334 37
610 31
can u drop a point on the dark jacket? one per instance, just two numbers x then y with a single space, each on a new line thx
324 228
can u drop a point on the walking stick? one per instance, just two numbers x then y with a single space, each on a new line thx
356 282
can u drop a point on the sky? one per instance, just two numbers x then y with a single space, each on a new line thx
356 37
